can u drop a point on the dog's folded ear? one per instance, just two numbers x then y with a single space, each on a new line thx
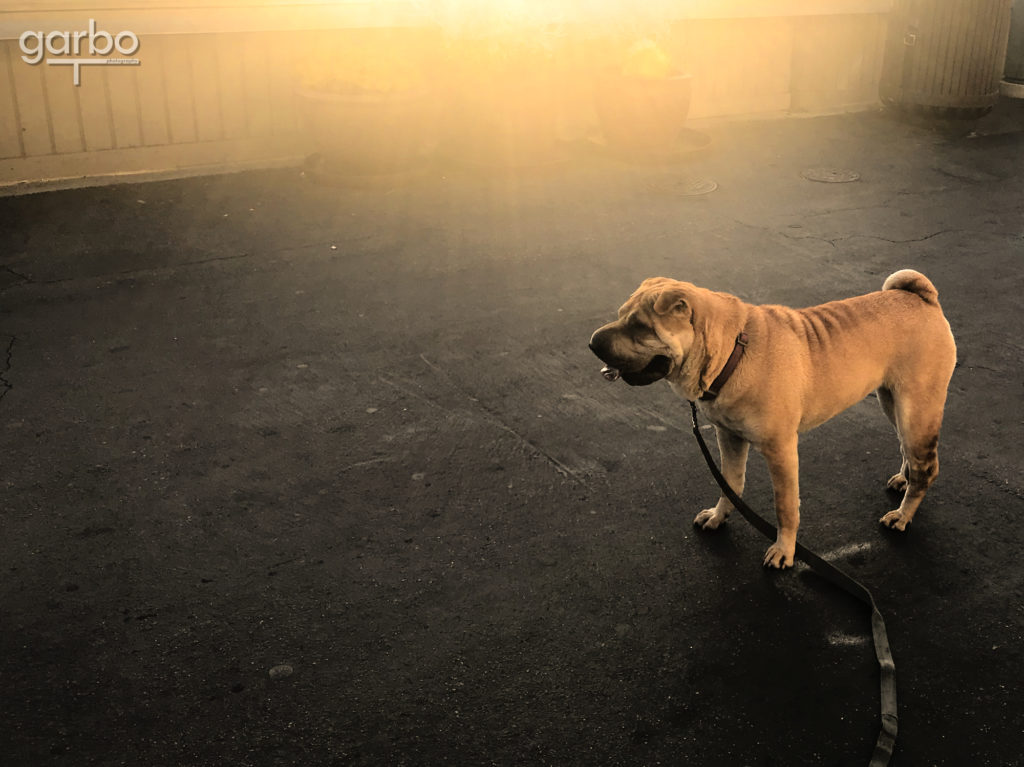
671 301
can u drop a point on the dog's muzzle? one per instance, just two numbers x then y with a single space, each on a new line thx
654 370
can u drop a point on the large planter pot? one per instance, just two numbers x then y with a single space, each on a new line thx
945 59
504 123
642 115
371 133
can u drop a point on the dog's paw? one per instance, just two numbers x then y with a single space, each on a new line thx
897 482
894 520
709 519
778 557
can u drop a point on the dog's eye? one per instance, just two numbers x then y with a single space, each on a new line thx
636 328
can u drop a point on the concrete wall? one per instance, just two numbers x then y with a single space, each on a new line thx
216 92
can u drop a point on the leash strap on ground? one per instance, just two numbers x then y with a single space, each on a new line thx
887 735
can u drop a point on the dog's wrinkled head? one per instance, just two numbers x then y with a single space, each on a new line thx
652 335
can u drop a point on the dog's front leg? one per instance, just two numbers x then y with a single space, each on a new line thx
733 449
784 468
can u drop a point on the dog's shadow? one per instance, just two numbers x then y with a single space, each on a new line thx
723 544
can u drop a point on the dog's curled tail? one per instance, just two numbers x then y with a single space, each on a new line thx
912 282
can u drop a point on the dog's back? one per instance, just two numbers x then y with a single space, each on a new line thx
840 351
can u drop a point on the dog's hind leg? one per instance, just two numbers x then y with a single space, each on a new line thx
918 421
734 451
897 481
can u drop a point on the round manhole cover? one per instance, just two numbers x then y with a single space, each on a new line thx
831 175
688 187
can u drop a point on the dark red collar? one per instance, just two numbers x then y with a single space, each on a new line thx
730 367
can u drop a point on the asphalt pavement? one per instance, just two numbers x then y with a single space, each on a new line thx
325 474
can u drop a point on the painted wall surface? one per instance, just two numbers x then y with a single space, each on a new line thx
216 100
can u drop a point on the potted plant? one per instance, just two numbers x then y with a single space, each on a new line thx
369 108
643 104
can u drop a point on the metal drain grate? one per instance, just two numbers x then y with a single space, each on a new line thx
831 175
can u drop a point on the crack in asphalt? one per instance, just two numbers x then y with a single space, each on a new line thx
145 270
833 240
490 417
895 242
1001 485
833 211
565 470
7 385
808 237
25 279
22 278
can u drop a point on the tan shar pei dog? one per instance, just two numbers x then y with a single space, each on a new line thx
764 374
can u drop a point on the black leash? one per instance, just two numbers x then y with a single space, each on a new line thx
887 735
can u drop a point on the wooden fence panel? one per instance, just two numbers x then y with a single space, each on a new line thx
33 106
149 81
256 86
94 106
10 125
206 92
231 84
178 90
123 92
62 99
